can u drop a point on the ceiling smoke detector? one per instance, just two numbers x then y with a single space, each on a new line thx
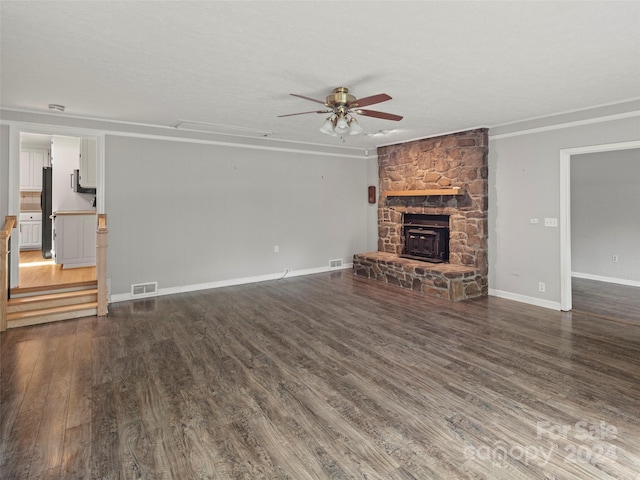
56 107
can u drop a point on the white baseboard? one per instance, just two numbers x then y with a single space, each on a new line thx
123 297
538 302
600 278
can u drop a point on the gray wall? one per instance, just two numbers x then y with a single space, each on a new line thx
4 172
189 213
524 176
605 214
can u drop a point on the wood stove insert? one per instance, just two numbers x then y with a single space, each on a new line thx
426 237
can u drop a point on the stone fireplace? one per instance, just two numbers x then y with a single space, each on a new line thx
445 178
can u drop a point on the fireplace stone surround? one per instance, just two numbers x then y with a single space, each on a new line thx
440 163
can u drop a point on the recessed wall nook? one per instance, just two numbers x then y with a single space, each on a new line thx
442 177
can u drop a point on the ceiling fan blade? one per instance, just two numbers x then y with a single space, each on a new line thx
304 113
308 98
383 115
363 102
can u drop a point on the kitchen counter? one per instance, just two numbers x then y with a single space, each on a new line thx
75 212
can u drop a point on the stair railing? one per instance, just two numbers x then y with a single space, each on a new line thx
101 264
10 223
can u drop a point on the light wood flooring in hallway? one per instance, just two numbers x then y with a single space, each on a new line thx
322 376
37 272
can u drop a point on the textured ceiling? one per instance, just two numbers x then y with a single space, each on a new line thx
449 66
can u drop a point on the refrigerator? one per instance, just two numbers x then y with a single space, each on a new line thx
45 204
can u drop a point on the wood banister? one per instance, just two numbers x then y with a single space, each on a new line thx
101 263
5 234
102 221
10 223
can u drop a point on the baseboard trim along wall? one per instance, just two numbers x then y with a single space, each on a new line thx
538 302
123 297
600 278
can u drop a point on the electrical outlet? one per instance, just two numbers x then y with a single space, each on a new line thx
542 287
534 221
276 248
550 222
614 259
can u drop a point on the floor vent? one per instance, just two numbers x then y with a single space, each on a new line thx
144 289
335 263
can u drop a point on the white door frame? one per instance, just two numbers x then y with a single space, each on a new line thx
15 128
566 302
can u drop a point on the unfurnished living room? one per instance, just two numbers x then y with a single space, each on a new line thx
308 240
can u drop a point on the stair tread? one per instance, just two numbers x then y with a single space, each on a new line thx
51 296
51 310
53 288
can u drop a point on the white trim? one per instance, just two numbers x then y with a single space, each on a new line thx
564 224
181 131
558 126
538 302
364 153
13 202
600 278
123 297
565 211
238 145
568 112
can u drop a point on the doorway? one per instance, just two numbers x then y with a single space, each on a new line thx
29 268
566 300
44 190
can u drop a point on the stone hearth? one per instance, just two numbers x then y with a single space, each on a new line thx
456 160
442 280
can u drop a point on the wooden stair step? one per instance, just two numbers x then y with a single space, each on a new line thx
47 289
52 314
51 300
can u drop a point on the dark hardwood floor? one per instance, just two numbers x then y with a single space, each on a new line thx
322 376
609 301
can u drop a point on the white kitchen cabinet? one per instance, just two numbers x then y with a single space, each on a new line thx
31 162
88 164
30 231
75 239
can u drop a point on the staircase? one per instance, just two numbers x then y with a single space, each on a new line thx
32 306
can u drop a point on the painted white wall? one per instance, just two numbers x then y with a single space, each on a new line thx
184 214
65 154
605 218
524 183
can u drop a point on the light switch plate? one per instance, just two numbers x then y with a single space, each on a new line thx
550 222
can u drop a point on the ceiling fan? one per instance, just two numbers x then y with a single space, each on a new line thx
342 105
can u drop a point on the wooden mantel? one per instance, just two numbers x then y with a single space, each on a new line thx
424 193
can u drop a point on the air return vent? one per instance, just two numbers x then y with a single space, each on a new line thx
144 289
335 263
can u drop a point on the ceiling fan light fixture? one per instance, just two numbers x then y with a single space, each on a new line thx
354 127
342 125
342 105
327 127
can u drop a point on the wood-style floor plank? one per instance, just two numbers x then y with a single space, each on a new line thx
324 376
610 301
